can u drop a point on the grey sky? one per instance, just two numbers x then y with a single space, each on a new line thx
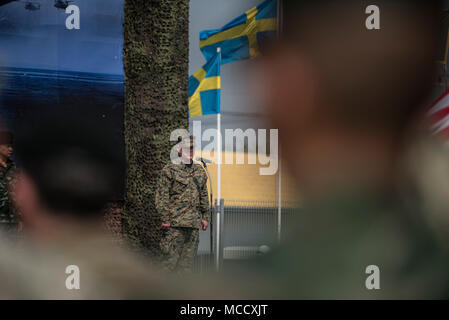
239 108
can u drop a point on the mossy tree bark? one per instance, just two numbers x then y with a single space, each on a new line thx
156 52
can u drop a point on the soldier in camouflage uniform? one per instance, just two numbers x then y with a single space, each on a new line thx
8 219
183 204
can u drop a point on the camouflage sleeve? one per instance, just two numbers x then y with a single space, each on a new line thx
163 195
8 211
11 187
204 200
4 197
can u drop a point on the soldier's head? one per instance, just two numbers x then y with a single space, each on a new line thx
186 148
329 77
6 145
70 169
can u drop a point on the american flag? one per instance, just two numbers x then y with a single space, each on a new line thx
439 116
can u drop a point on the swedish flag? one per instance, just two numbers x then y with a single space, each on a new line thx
204 89
240 38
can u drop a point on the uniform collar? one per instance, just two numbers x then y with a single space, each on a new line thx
187 165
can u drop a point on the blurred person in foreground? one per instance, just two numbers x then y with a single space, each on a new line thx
68 172
8 216
347 102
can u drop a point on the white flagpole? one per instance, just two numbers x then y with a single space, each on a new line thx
218 201
219 156
219 142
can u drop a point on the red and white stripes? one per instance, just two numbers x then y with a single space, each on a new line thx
439 116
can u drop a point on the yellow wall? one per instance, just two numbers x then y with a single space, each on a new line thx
242 182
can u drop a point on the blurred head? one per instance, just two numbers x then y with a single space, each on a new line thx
329 78
69 171
186 148
5 145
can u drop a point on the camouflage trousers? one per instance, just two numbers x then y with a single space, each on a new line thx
179 246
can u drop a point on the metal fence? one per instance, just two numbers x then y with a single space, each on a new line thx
248 228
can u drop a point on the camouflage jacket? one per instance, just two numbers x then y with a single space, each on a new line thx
7 214
181 196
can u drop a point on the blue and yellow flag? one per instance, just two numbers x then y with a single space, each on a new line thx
240 38
204 89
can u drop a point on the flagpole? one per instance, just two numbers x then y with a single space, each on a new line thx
218 200
218 156
219 140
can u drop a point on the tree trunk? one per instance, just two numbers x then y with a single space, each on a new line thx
156 56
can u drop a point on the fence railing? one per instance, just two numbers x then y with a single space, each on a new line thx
248 228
